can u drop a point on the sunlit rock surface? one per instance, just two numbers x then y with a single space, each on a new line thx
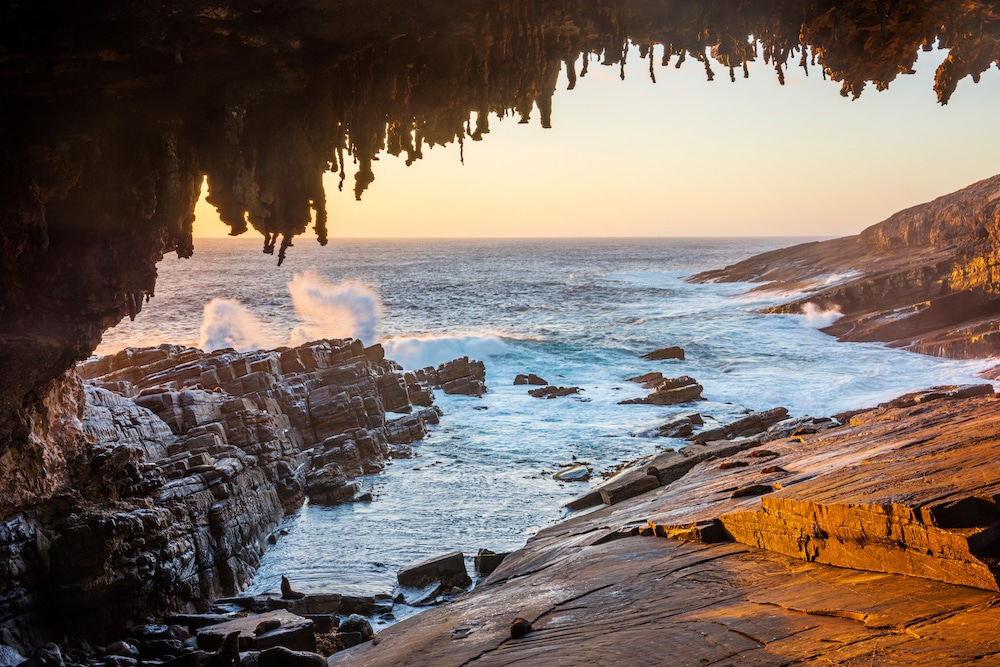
925 279
904 496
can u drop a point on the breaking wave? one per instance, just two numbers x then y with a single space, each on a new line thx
817 318
323 309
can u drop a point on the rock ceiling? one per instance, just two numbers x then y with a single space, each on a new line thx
113 115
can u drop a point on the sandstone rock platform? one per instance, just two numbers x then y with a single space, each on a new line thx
902 498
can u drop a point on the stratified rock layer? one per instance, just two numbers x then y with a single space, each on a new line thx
177 467
926 278
904 495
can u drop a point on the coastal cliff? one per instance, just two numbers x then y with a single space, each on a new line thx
166 471
927 278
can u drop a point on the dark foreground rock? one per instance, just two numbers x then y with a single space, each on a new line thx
178 466
874 545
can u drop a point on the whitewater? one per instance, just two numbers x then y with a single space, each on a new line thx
576 312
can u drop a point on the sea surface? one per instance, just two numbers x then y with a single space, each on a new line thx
576 312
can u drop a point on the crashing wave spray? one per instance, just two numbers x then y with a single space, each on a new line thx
344 310
818 318
228 323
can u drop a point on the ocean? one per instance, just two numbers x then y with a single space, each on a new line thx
576 312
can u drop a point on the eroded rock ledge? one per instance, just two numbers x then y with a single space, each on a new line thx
904 495
167 471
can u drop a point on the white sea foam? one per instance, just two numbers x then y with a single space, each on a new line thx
228 323
326 310
817 318
421 351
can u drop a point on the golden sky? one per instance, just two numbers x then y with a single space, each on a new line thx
686 157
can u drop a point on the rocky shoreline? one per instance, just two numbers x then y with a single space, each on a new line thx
179 466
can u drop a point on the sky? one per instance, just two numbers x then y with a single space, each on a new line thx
685 157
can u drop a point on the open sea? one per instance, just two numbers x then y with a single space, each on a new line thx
576 312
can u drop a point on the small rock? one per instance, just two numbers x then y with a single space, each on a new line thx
726 465
520 627
358 623
122 648
672 352
530 378
553 392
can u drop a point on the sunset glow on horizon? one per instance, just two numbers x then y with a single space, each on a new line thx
684 157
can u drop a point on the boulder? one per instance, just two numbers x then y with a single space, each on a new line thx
530 378
672 352
292 631
448 569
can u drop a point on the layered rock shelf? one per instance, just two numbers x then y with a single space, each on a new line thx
924 279
183 463
902 498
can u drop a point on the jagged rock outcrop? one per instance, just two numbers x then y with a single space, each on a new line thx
181 466
927 278
666 391
696 567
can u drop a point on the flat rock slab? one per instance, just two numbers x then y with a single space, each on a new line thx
907 490
293 632
638 600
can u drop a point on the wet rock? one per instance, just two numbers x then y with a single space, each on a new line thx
448 569
670 391
672 352
752 424
530 378
679 426
487 561
122 648
553 392
359 624
576 473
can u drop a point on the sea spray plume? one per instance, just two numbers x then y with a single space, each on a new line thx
344 310
228 323
818 318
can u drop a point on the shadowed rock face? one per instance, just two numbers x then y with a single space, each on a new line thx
925 279
114 113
